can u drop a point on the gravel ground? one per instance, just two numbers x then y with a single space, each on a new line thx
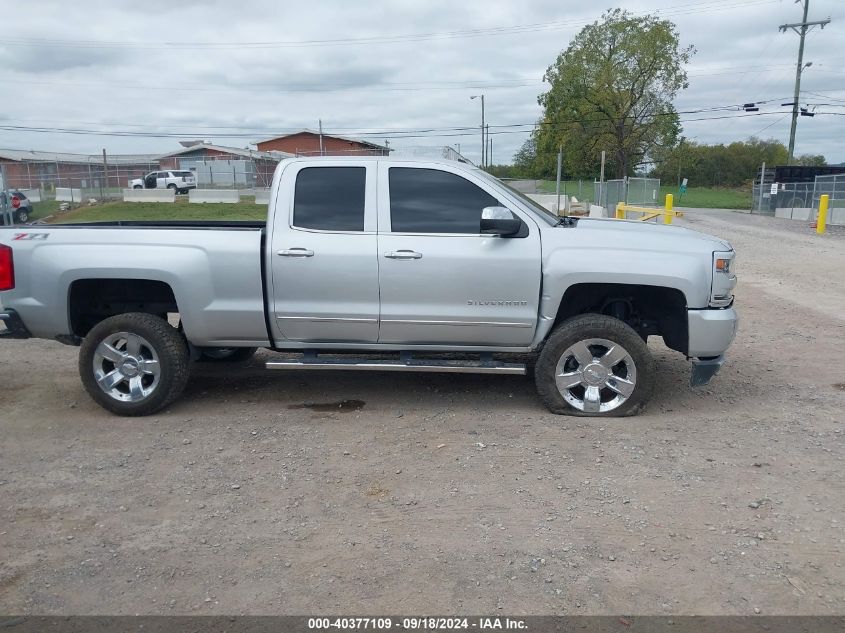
360 493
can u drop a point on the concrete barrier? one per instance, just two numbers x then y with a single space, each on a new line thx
262 196
149 195
794 213
214 195
34 195
65 194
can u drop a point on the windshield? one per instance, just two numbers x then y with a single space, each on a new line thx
538 209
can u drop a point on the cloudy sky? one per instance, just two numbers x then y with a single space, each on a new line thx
233 72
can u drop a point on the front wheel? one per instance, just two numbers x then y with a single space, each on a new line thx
594 365
133 364
137 187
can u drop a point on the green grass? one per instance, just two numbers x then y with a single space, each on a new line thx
698 197
569 187
710 198
179 210
43 209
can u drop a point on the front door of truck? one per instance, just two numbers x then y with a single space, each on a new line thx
441 281
324 270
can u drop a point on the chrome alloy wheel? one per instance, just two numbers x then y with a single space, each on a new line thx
126 367
596 375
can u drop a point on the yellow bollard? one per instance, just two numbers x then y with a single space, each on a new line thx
821 223
620 211
667 215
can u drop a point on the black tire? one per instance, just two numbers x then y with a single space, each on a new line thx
22 217
166 343
226 354
137 187
172 186
583 328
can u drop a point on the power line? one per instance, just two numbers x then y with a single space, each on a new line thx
288 88
515 128
683 9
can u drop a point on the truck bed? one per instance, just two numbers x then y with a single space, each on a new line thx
167 224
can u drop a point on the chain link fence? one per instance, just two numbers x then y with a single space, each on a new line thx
639 192
800 200
834 187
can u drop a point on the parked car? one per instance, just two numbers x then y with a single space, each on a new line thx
21 206
434 263
179 181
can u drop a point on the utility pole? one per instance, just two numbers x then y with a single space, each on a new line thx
483 137
802 28
320 124
489 147
105 175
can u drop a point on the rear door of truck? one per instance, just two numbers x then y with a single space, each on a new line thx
324 266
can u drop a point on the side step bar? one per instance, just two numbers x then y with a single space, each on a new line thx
484 366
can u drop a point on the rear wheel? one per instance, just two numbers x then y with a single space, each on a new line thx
137 187
594 365
23 216
226 354
133 364
173 187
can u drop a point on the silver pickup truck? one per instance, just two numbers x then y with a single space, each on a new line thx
381 264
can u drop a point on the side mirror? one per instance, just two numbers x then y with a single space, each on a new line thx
499 221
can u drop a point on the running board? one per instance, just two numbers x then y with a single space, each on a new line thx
442 366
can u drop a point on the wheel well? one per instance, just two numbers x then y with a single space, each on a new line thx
650 310
92 300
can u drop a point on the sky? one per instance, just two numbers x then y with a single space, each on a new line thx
145 75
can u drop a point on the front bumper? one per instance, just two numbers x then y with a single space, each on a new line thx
711 331
14 325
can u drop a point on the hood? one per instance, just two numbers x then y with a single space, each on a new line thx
643 236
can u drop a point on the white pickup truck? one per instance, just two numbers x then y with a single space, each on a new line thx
376 263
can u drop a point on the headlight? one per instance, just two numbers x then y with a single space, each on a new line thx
724 279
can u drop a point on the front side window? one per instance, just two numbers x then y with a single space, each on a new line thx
434 201
330 198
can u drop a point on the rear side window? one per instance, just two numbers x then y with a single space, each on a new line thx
434 201
330 198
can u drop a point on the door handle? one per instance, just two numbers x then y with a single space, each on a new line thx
296 252
403 254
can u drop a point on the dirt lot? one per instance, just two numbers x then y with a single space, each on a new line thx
259 493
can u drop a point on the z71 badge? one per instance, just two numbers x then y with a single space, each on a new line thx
31 236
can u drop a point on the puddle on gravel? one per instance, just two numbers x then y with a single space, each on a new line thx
343 406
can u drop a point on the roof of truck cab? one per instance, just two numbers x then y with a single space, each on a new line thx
383 159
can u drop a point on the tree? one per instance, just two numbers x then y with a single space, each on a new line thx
811 160
524 160
612 90
721 165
